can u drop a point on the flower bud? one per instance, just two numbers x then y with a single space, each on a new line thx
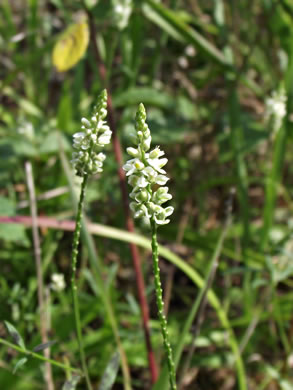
132 152
142 196
86 123
146 144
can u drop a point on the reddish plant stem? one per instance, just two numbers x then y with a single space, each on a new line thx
129 221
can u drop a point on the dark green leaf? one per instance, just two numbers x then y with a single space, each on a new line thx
41 347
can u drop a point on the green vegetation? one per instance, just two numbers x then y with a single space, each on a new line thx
216 78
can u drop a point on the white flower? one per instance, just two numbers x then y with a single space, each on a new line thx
161 195
150 174
138 181
101 157
158 163
105 138
276 108
155 153
122 10
140 210
161 180
277 105
132 166
153 177
160 217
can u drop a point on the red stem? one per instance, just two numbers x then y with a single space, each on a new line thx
129 221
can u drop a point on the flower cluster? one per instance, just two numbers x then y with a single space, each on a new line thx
96 134
145 172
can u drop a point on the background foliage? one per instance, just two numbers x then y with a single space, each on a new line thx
205 71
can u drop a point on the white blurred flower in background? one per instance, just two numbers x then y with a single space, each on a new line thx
122 10
57 282
276 108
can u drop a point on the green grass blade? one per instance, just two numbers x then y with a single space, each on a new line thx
184 32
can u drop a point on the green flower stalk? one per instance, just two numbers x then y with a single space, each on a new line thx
87 160
145 175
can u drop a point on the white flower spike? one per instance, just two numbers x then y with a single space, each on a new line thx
95 135
145 170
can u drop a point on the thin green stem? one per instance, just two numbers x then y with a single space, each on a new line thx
40 357
97 267
160 304
76 238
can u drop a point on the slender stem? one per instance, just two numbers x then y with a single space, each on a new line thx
48 376
39 357
76 238
160 305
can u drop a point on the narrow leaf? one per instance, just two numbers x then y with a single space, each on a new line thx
15 334
110 372
19 364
